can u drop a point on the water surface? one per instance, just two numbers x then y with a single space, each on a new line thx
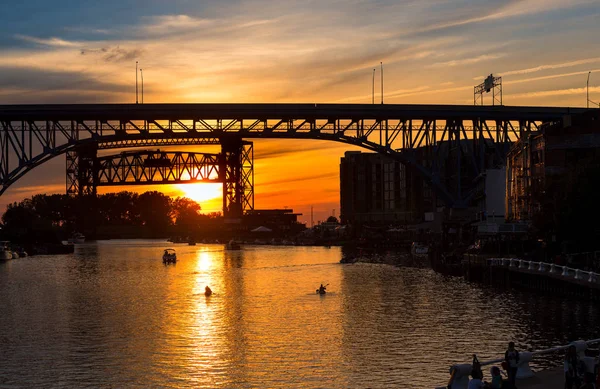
113 316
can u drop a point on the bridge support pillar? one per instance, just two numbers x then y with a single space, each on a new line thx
82 171
236 171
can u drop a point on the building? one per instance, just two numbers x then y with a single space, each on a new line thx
282 221
540 161
373 188
377 189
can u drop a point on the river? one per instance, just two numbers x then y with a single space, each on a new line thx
113 316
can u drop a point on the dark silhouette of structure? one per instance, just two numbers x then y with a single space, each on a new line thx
233 167
32 134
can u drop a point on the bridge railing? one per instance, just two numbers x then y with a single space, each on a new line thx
460 372
548 268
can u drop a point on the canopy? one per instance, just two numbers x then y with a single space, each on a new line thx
262 229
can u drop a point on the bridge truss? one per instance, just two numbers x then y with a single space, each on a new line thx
420 136
233 167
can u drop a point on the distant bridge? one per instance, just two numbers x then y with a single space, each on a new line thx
87 171
32 134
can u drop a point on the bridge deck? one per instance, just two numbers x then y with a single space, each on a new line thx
278 111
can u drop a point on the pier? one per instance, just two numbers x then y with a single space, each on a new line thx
541 276
527 378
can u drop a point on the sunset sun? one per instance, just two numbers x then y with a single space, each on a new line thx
201 193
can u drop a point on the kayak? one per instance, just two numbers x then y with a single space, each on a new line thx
318 292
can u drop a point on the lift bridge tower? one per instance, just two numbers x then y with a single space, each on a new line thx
233 167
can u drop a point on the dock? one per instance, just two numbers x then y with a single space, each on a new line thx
546 379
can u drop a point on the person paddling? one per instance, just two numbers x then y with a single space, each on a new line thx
322 289
207 291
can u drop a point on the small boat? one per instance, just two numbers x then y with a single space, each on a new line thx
321 291
169 256
232 245
5 252
77 237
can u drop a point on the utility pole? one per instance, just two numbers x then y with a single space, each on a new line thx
136 82
312 222
588 90
373 89
142 76
381 82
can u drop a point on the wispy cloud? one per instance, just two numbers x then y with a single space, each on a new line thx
115 54
556 92
467 61
54 42
512 9
169 23
552 66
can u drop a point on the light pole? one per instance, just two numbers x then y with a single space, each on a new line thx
373 89
587 99
136 82
142 76
381 63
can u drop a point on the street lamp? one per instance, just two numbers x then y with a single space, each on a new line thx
373 89
381 63
142 76
136 82
588 90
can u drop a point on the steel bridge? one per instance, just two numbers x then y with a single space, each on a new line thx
86 171
32 134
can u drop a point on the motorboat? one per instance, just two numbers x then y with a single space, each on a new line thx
5 252
169 256
232 245
77 237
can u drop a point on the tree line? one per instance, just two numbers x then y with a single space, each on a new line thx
152 214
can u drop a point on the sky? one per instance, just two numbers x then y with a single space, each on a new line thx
433 51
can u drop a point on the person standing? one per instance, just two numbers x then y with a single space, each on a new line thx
571 365
511 356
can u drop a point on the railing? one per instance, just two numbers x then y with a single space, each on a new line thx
543 267
460 372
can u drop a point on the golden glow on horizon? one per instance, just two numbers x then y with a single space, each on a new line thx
201 193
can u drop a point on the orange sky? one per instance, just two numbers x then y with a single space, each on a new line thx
316 51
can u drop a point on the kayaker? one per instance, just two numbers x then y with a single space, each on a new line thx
207 291
321 289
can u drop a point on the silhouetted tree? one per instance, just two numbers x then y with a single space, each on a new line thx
332 219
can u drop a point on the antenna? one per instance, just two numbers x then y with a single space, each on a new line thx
312 222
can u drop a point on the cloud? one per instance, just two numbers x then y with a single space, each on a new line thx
331 175
22 85
466 61
115 54
532 79
511 10
552 66
54 42
556 92
165 23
